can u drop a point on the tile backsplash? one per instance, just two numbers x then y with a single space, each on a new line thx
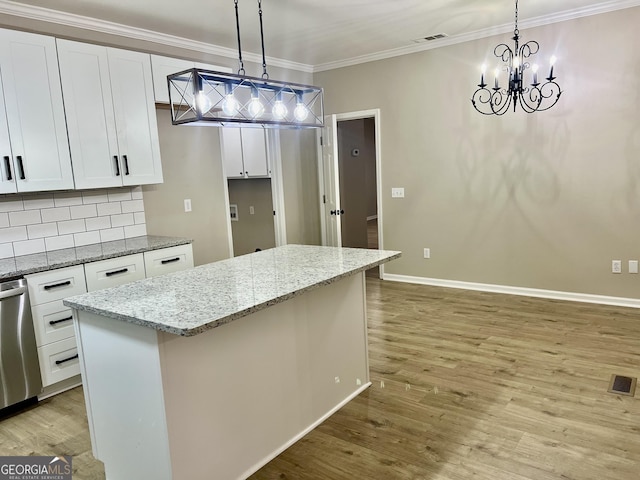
35 223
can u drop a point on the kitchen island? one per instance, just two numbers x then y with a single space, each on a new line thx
211 372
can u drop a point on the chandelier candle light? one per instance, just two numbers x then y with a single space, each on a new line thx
534 97
206 97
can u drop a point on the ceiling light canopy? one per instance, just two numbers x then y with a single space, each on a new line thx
533 97
206 97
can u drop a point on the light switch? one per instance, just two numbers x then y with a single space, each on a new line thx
633 266
252 211
187 204
397 192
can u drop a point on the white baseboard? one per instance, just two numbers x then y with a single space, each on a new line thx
372 217
528 292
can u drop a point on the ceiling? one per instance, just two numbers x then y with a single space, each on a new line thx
325 33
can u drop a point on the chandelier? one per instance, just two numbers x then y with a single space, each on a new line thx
532 97
206 97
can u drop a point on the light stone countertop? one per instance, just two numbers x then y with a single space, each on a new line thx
15 267
196 300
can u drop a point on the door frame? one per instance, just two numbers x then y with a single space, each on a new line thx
357 115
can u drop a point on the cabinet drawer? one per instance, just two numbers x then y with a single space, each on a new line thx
114 272
58 361
54 285
167 260
53 322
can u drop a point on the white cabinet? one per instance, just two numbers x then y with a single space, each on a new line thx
168 260
113 131
244 152
53 322
114 272
34 152
163 66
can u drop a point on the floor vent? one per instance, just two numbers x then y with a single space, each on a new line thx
622 385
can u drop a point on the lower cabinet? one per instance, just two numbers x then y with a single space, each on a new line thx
114 272
168 260
53 322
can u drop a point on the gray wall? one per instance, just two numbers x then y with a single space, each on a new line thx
192 168
301 192
545 200
257 230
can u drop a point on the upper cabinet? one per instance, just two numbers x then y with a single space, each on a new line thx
163 66
244 152
34 153
111 117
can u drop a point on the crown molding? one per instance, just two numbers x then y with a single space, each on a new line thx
78 21
597 9
87 23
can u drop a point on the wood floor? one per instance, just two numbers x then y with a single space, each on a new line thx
466 385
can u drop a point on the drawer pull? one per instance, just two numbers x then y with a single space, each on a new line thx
60 362
117 272
7 164
20 167
55 322
170 260
56 285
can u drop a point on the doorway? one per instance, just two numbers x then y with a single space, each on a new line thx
251 212
255 206
350 180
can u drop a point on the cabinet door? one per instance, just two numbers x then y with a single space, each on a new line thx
135 112
84 71
232 152
7 170
35 113
161 67
254 152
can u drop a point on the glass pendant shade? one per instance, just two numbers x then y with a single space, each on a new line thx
225 99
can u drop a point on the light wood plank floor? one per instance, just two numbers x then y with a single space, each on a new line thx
465 385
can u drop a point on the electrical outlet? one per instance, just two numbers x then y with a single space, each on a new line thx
427 253
633 266
187 204
616 266
397 192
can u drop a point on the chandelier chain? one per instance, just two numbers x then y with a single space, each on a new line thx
265 75
241 70
516 31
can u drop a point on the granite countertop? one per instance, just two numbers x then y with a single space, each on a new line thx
196 300
15 267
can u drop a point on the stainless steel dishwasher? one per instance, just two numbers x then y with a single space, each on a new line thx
19 369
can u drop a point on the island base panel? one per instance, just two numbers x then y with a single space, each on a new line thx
235 396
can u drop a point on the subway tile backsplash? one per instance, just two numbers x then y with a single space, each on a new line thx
35 223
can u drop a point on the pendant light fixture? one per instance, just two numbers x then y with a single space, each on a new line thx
532 97
206 97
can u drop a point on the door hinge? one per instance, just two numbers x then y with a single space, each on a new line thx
324 199
274 213
321 141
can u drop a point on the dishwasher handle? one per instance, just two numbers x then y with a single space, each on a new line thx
12 292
